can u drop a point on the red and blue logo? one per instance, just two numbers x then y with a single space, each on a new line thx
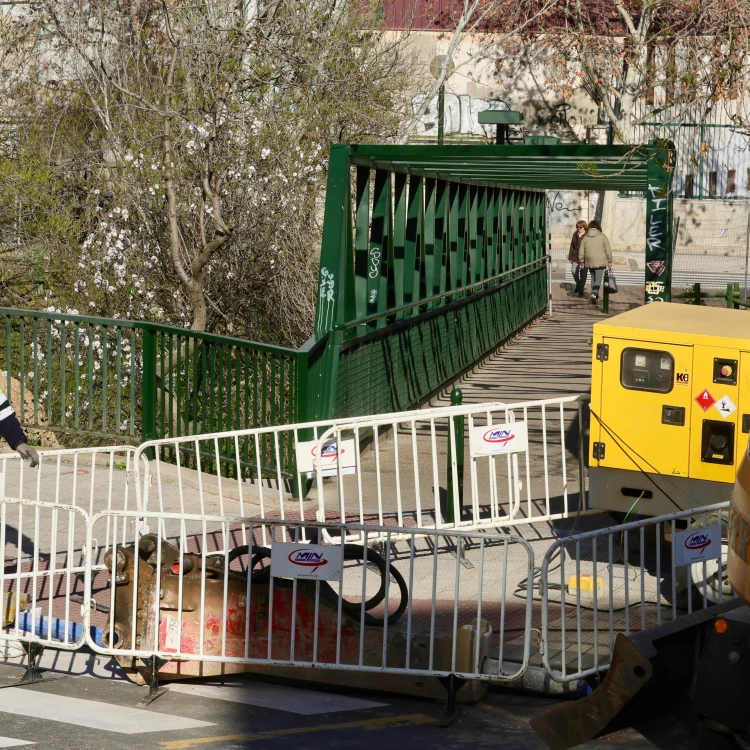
330 451
697 541
499 436
307 558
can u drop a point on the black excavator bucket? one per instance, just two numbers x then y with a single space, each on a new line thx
684 685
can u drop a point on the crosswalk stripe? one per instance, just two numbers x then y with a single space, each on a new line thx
92 714
10 742
280 697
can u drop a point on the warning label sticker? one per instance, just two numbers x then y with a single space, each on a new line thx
705 400
725 406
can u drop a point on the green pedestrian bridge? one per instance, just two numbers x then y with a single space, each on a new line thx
431 257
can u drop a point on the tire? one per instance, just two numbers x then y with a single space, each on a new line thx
354 609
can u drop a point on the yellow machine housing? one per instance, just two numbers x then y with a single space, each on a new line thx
670 401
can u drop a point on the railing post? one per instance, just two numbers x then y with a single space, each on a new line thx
697 293
729 295
303 413
605 293
457 397
148 415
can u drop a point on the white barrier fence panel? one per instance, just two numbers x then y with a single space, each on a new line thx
43 517
260 472
625 579
394 469
44 548
522 464
204 594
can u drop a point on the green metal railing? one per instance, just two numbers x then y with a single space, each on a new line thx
97 379
732 296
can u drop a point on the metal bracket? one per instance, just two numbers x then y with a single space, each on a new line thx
154 691
452 684
598 451
602 352
459 551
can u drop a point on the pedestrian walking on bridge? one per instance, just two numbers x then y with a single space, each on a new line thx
579 271
595 253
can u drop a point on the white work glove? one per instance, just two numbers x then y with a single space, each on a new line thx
28 453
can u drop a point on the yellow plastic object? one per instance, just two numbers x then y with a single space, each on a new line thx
584 584
10 602
670 402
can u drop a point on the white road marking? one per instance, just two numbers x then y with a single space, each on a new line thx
92 714
279 697
10 742
77 664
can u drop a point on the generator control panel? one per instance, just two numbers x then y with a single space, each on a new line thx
670 400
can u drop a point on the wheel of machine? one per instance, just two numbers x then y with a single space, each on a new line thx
356 552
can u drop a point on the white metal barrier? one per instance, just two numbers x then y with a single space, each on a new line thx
628 578
395 469
522 463
206 598
43 520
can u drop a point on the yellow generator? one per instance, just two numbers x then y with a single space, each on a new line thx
670 403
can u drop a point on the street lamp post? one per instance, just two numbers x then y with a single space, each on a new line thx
438 64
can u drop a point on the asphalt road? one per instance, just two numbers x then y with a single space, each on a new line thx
92 712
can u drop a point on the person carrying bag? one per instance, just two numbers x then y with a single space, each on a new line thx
595 253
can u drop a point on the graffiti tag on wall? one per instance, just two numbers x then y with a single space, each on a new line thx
461 114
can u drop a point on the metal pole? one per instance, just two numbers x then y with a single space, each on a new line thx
457 398
747 251
605 292
441 113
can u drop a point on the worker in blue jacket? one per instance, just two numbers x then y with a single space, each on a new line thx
11 430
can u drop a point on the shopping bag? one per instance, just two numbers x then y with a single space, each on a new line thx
612 283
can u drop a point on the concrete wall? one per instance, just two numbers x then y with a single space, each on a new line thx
706 227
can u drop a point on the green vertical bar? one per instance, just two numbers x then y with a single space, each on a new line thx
462 229
9 359
220 350
211 386
76 373
35 354
659 170
481 233
376 301
414 216
441 240
333 255
179 393
198 385
273 390
362 242
256 379
458 435
399 241
21 370
504 238
91 331
428 270
454 262
489 245
50 400
133 375
118 378
163 419
264 397
149 385
239 357
105 353
63 336
473 250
